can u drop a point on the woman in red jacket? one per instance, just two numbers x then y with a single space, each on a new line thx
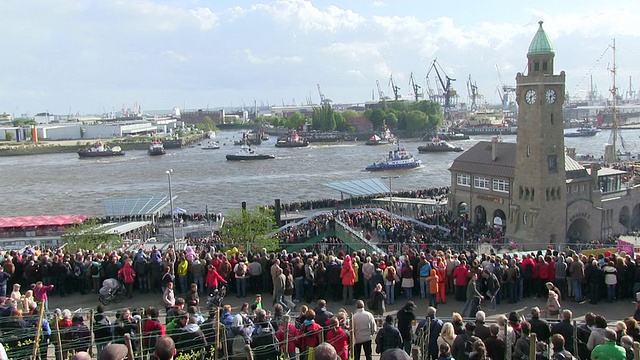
213 279
338 338
308 334
348 276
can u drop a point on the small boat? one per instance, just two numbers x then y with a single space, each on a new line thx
583 131
156 148
384 137
100 149
397 159
211 145
292 141
251 138
438 145
450 135
247 153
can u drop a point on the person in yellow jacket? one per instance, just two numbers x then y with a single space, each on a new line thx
182 273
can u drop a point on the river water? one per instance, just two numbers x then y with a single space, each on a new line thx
63 184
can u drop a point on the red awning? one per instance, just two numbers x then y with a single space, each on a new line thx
43 220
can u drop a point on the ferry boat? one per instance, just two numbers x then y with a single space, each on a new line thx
397 159
247 153
156 148
583 131
100 149
292 141
438 145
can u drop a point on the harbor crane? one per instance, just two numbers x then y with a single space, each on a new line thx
448 93
381 94
415 87
474 96
323 99
395 88
506 92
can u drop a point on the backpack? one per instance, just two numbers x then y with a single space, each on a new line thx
240 270
77 270
391 274
94 269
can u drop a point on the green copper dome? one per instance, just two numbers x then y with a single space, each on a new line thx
540 43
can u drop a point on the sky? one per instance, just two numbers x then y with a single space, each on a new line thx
90 57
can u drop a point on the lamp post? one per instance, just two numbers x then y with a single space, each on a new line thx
390 192
173 223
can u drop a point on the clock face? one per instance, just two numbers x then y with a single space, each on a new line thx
530 96
551 96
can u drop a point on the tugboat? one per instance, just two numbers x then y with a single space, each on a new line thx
156 148
450 135
397 159
292 141
437 145
100 149
384 137
583 131
247 153
251 137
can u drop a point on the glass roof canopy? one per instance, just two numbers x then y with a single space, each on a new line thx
149 205
362 187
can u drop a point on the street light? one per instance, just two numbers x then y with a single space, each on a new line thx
390 192
173 223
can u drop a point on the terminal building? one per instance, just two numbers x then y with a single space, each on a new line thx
532 189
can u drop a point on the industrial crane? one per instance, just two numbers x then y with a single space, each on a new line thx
447 91
323 100
472 88
505 91
415 87
396 89
381 94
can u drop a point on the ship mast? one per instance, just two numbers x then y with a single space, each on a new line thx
614 92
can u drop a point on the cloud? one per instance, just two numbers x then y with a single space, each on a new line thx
270 60
378 3
205 18
175 56
309 18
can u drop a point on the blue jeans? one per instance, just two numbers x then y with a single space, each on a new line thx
577 289
611 293
424 287
241 287
391 294
521 289
199 280
432 300
3 290
408 293
513 292
299 285
368 289
183 284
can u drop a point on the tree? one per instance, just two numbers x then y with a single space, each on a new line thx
417 121
88 236
350 114
23 121
295 121
252 227
376 117
341 122
8 136
323 119
207 124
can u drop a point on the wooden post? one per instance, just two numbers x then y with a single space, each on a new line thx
426 338
352 337
636 350
217 347
575 338
58 338
532 345
226 343
127 343
36 346
92 337
507 341
286 336
140 337
249 354
415 353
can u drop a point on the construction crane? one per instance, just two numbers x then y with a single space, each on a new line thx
448 93
415 87
323 99
506 92
381 94
396 89
474 96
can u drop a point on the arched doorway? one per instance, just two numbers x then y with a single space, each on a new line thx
480 215
499 219
624 217
463 208
579 231
635 217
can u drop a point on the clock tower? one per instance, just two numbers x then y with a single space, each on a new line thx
537 213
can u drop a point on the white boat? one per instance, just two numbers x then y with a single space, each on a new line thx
247 153
211 145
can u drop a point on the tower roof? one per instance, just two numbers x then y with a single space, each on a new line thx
540 43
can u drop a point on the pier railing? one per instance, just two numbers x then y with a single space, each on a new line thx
355 239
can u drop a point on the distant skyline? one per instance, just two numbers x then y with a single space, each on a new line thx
89 57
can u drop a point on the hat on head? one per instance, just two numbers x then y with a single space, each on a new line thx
395 354
470 327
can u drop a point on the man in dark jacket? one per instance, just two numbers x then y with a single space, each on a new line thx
264 342
388 337
323 316
460 349
496 347
539 326
406 317
565 328
482 329
434 328
190 338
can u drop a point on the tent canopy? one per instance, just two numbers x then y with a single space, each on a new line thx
43 220
144 205
361 187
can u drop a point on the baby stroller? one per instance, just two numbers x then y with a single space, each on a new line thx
111 290
214 300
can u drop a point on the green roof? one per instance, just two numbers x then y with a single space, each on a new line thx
540 43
